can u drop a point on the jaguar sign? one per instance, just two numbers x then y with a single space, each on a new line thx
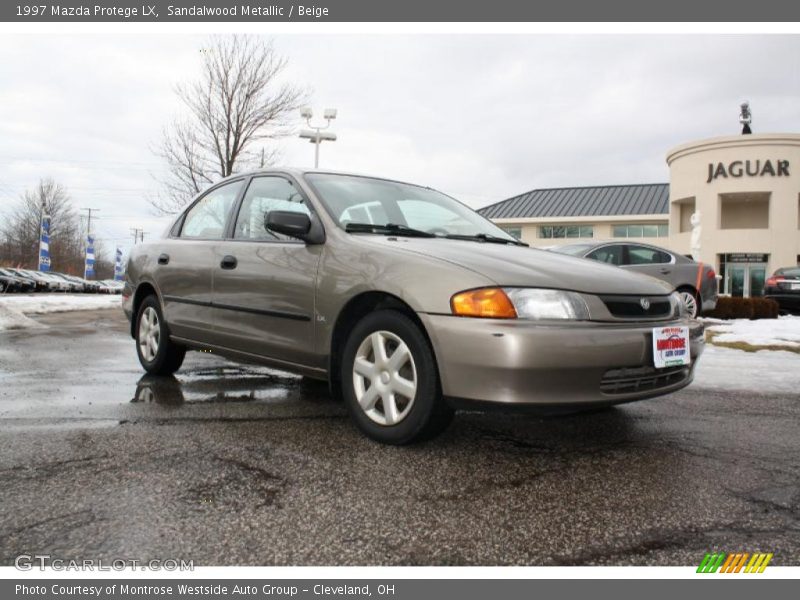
748 168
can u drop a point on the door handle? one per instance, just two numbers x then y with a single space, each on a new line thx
666 271
163 259
228 262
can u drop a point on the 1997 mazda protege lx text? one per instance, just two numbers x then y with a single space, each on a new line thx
409 303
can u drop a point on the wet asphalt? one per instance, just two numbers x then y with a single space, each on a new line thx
242 465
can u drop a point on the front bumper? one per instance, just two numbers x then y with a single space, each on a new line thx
513 362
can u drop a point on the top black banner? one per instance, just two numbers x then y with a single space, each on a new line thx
405 11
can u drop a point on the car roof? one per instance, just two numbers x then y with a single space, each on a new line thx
300 172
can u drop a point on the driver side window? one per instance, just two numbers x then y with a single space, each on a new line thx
206 219
266 194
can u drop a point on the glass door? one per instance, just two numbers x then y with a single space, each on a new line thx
734 284
756 280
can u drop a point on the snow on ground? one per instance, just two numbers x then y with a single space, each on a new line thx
767 371
783 331
13 309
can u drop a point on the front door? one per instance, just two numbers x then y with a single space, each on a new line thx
264 283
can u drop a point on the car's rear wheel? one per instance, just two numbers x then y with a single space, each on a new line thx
691 300
157 353
390 381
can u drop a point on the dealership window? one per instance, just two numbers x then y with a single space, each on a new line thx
566 231
640 230
749 210
515 232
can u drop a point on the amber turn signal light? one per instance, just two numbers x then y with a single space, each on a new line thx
488 303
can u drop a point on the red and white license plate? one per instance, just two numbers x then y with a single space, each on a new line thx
671 347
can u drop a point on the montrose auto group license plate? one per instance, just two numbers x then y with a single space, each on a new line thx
671 347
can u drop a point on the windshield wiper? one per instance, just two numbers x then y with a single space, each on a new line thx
387 229
485 237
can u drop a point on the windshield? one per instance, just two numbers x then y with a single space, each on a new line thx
573 249
362 200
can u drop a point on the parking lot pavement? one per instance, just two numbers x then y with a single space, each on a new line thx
244 465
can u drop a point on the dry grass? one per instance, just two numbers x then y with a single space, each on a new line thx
710 335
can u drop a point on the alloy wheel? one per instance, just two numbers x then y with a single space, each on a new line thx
690 302
149 333
384 378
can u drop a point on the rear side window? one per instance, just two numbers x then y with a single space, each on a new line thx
642 255
266 194
206 219
611 255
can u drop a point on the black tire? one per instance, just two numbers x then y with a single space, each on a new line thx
169 356
427 414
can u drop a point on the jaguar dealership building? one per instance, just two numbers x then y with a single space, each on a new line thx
732 202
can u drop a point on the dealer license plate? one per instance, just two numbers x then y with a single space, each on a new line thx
671 347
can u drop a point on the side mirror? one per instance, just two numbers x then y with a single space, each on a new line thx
295 224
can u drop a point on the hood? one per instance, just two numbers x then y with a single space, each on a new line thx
519 266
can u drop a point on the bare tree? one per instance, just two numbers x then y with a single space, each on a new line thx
236 106
21 230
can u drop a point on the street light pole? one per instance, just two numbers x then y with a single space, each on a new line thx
317 134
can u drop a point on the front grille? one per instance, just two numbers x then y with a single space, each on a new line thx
633 307
641 379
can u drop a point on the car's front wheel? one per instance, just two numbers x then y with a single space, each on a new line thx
157 353
390 381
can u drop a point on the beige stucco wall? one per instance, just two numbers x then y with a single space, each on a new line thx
689 174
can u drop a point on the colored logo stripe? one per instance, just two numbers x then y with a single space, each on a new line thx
711 562
734 563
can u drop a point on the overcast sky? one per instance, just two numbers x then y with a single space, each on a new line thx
482 117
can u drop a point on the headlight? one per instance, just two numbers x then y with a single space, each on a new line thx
522 303
531 303
678 305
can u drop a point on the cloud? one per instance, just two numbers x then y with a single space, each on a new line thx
481 117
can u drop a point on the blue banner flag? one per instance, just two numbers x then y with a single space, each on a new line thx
118 266
44 244
89 269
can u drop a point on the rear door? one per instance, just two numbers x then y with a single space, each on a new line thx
264 283
184 263
650 261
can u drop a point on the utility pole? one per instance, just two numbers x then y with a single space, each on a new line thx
138 234
89 219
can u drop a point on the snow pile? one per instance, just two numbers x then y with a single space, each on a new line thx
721 368
13 309
783 331
13 319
